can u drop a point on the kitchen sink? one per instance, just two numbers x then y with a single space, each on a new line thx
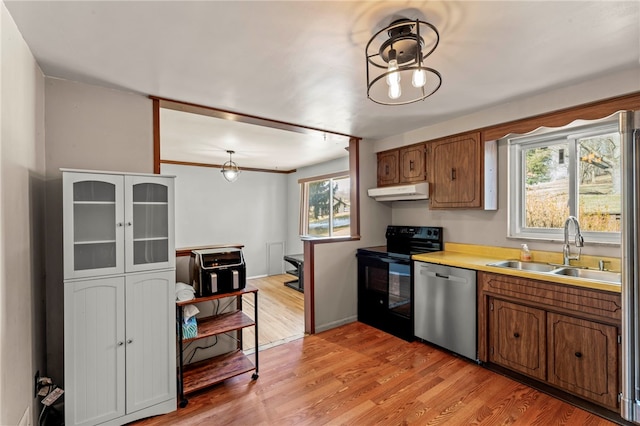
590 274
524 266
587 274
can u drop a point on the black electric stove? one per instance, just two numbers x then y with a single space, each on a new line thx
385 278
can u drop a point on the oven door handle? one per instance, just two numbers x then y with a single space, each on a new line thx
395 261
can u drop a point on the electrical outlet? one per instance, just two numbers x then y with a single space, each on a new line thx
35 384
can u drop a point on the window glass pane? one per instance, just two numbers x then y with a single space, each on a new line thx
319 211
599 183
546 185
341 207
328 207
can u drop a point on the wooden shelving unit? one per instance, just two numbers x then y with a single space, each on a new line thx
208 372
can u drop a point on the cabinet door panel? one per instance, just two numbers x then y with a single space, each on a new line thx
150 339
149 223
94 358
518 340
456 172
93 224
583 358
388 168
412 164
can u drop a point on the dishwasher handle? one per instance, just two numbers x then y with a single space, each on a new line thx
428 273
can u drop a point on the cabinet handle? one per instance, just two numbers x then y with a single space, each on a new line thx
120 343
516 335
129 341
578 354
453 173
411 165
386 169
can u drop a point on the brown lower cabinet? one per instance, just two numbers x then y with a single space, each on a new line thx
564 336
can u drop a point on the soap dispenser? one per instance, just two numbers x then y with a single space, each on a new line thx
525 254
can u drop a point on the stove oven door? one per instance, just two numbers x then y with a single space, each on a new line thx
384 294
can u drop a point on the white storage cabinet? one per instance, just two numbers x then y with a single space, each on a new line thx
119 297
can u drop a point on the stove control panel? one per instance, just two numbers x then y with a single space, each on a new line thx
431 233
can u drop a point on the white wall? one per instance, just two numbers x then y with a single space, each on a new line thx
250 211
87 127
336 267
294 243
490 227
22 291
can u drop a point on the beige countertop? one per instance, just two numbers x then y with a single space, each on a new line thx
477 257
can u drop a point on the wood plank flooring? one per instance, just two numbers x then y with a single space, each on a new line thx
280 312
358 375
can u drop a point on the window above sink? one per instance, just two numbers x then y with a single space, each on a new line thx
571 171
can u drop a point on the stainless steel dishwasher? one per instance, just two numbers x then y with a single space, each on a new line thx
446 307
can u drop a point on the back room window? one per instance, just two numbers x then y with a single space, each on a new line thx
325 206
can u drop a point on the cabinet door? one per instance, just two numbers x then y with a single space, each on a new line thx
150 339
388 168
456 172
583 358
149 230
517 338
412 164
93 218
94 350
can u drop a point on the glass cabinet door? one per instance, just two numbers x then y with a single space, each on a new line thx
93 219
149 223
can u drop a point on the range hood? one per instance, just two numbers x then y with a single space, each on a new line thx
417 191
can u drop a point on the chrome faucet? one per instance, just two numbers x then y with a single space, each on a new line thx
579 241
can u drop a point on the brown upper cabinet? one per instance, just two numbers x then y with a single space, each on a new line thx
388 168
456 174
461 170
402 165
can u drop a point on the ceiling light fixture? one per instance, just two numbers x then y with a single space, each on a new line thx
396 55
230 170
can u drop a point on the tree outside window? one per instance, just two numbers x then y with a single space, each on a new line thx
327 207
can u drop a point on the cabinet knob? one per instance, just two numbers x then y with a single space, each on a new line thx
119 224
129 341
516 334
120 343
129 224
578 354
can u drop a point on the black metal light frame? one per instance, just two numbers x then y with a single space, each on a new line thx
406 44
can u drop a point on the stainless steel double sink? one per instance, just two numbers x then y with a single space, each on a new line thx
546 268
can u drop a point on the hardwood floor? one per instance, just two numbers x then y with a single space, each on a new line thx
280 312
358 375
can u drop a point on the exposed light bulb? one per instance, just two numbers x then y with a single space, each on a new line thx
393 78
419 78
394 91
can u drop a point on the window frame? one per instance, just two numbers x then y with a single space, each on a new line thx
570 134
303 227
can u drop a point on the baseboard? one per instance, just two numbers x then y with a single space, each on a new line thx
334 324
257 276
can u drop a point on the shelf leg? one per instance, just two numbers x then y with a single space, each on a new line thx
255 313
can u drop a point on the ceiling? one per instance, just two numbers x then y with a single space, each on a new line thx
303 62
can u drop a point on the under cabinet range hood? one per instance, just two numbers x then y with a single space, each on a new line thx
417 191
